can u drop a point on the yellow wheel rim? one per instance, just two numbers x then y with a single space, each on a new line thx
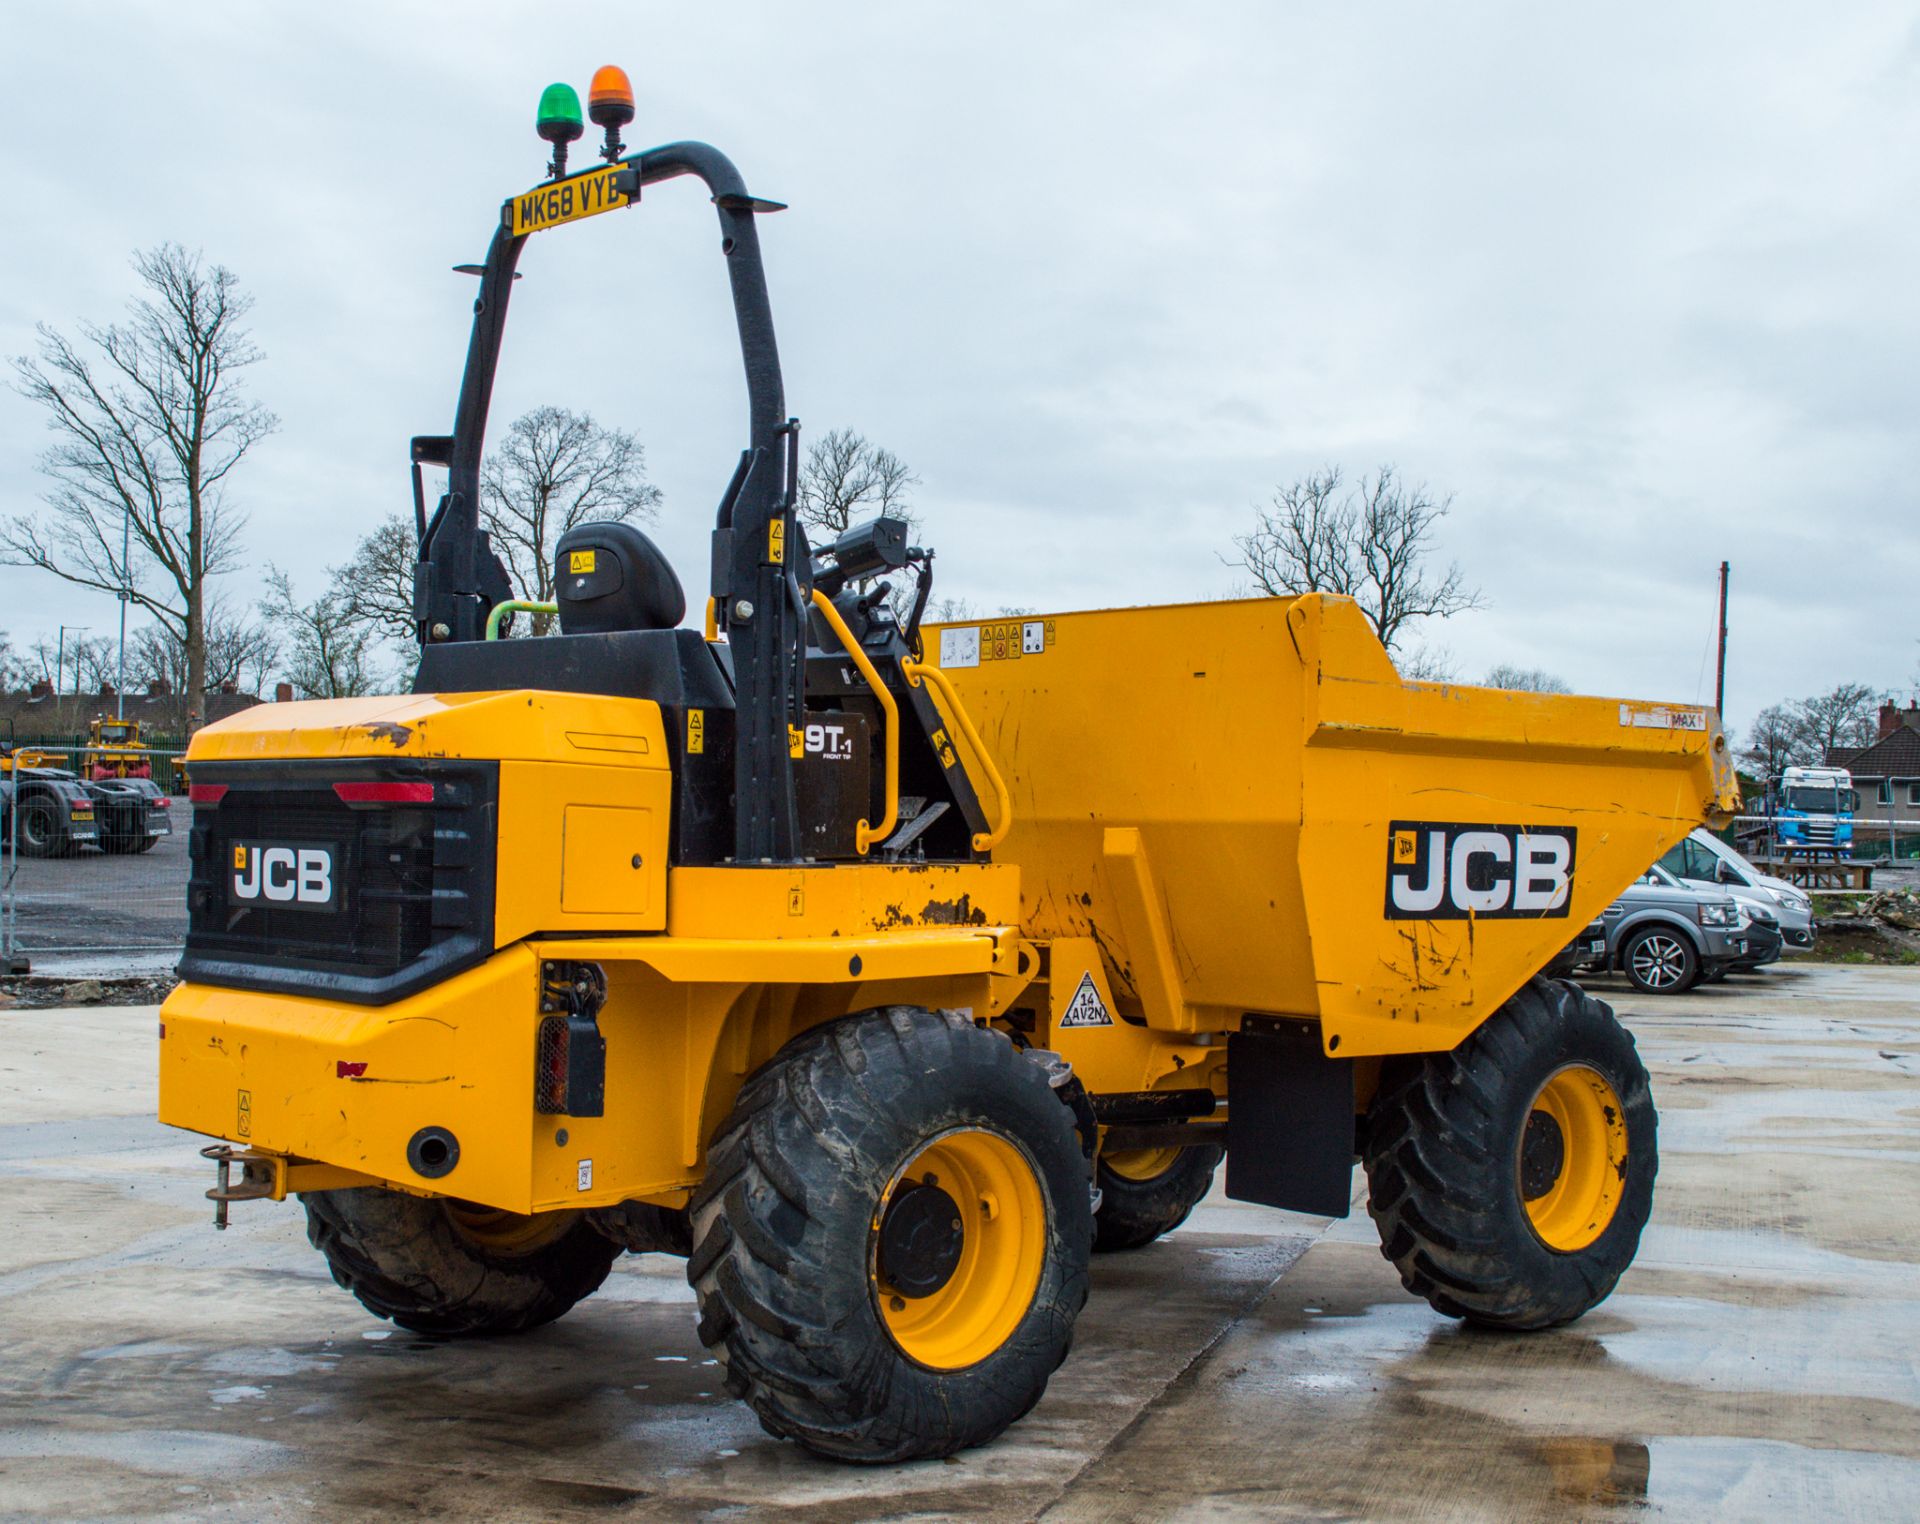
1572 1158
1141 1163
997 1202
507 1232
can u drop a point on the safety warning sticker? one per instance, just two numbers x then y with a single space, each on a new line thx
1086 1009
969 645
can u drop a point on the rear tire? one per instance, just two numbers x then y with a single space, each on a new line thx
439 1267
858 1309
1660 960
1137 1207
41 834
1511 1178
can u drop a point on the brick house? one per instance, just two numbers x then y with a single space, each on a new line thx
1886 774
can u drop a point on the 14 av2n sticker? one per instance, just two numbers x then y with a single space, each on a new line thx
1086 1009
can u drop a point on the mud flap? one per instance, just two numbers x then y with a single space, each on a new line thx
1290 1127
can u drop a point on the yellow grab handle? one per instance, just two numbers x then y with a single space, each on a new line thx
713 624
957 714
865 835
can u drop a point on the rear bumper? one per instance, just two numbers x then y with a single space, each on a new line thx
350 1085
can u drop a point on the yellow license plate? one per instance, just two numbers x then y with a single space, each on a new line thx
547 206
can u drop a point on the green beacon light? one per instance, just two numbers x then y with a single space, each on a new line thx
559 123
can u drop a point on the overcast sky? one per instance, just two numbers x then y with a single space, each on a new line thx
1636 286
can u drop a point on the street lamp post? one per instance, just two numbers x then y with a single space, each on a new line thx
126 595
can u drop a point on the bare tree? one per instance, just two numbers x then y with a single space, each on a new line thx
326 656
1523 679
93 663
16 671
377 583
1428 664
1777 740
154 656
76 664
1842 717
150 421
846 478
556 469
1371 543
240 651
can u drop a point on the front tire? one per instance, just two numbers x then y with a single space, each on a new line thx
1147 1192
1511 1178
891 1241
438 1266
1660 960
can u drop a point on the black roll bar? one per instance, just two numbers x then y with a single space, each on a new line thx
458 578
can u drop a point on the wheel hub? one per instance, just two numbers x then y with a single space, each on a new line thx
1543 1154
921 1237
1571 1160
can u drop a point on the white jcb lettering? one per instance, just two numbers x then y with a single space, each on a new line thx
1425 898
315 881
1542 876
272 858
1466 847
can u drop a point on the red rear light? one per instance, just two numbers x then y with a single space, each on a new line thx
385 793
206 793
162 802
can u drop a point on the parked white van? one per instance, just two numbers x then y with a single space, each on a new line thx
1704 858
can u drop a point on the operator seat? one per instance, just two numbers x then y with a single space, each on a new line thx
609 577
620 607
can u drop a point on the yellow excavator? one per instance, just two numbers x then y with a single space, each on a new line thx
888 971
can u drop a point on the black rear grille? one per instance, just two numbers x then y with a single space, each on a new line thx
411 881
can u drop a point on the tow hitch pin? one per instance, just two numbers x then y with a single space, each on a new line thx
221 1166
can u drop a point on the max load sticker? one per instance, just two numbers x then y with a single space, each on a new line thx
1086 1009
1447 871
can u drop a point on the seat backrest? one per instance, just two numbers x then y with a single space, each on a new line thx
610 577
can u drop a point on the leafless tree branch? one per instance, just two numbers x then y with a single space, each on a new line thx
556 469
149 420
1370 543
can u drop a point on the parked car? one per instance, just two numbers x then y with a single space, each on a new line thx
1590 947
1764 945
1666 936
1703 858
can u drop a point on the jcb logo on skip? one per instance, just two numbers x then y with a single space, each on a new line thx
1447 871
300 877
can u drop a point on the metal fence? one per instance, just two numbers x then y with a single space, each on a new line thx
1874 840
113 906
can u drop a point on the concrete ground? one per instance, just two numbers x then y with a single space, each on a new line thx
1759 1362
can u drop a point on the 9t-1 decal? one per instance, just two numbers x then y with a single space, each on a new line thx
1447 871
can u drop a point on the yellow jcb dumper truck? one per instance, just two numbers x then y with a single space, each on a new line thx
888 971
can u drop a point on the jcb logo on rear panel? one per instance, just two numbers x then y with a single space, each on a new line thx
1447 871
292 875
